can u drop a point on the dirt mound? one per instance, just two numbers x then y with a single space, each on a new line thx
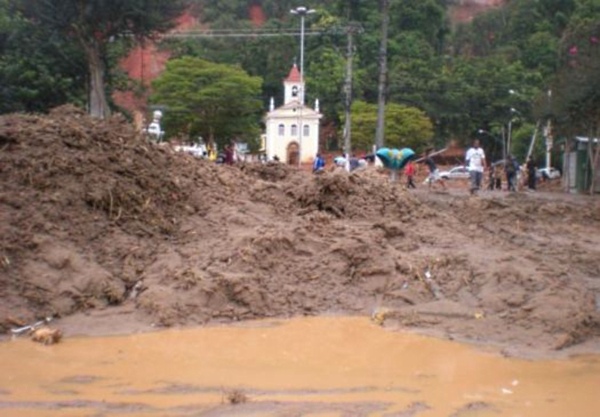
93 216
77 194
362 194
76 161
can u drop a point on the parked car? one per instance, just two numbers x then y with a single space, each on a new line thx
459 172
548 173
199 151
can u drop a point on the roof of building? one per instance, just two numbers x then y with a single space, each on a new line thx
290 110
294 75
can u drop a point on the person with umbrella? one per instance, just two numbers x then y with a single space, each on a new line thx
395 159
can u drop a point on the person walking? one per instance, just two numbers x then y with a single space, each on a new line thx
475 161
491 179
434 172
510 168
228 159
409 170
319 163
531 171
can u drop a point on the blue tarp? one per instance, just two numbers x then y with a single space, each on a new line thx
395 158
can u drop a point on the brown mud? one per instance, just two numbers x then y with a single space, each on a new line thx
309 367
112 234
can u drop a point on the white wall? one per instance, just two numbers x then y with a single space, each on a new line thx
278 145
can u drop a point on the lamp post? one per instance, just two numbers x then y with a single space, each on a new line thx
302 12
509 139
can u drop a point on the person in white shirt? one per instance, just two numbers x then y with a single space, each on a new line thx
475 160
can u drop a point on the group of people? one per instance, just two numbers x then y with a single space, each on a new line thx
351 163
476 164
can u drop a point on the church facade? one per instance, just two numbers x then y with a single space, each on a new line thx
292 130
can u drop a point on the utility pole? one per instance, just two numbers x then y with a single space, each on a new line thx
351 30
385 17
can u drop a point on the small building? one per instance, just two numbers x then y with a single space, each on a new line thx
577 168
292 130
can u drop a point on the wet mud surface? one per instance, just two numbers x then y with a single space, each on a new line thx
322 366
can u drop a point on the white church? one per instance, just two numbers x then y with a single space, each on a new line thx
292 130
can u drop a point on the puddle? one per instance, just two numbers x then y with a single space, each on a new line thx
314 367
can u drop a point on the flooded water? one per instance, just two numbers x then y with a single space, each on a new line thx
316 367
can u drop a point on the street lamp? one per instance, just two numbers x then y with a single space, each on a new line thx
512 110
302 12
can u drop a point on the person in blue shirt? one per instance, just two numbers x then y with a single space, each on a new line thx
319 163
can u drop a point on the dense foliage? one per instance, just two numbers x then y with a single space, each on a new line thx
37 70
92 25
459 75
217 102
465 77
405 126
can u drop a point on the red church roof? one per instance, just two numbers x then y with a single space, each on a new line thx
294 75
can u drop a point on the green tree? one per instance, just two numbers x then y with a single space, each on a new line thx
576 87
461 79
37 70
216 101
404 126
94 24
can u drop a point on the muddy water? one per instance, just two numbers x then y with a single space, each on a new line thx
317 367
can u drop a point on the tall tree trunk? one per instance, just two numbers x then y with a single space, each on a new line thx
385 20
98 104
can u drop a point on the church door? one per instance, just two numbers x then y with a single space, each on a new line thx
293 153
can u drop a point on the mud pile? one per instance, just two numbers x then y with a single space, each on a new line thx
77 194
93 216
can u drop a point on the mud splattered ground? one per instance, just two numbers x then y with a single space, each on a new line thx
112 234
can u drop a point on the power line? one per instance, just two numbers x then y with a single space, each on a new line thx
241 33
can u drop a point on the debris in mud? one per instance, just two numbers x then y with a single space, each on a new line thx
362 194
379 315
27 328
46 335
236 396
474 407
413 409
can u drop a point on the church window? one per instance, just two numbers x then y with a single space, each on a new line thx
294 130
281 130
306 129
